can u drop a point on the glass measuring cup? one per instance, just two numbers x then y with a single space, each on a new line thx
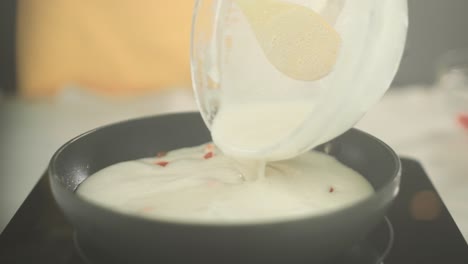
266 114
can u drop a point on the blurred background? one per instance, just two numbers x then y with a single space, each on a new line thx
70 66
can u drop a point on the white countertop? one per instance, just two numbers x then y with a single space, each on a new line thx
413 121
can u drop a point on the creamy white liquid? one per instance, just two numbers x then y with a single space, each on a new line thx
192 188
239 128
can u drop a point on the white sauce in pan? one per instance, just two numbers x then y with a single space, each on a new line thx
200 184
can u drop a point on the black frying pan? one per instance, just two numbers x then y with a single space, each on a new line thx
130 239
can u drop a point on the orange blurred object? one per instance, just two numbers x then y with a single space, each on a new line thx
114 47
463 120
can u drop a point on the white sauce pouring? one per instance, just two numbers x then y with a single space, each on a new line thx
204 185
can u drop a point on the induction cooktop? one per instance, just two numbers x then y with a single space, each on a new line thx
417 229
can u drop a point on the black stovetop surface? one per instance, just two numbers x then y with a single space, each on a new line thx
425 233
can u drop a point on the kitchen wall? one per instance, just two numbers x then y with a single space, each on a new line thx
435 27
